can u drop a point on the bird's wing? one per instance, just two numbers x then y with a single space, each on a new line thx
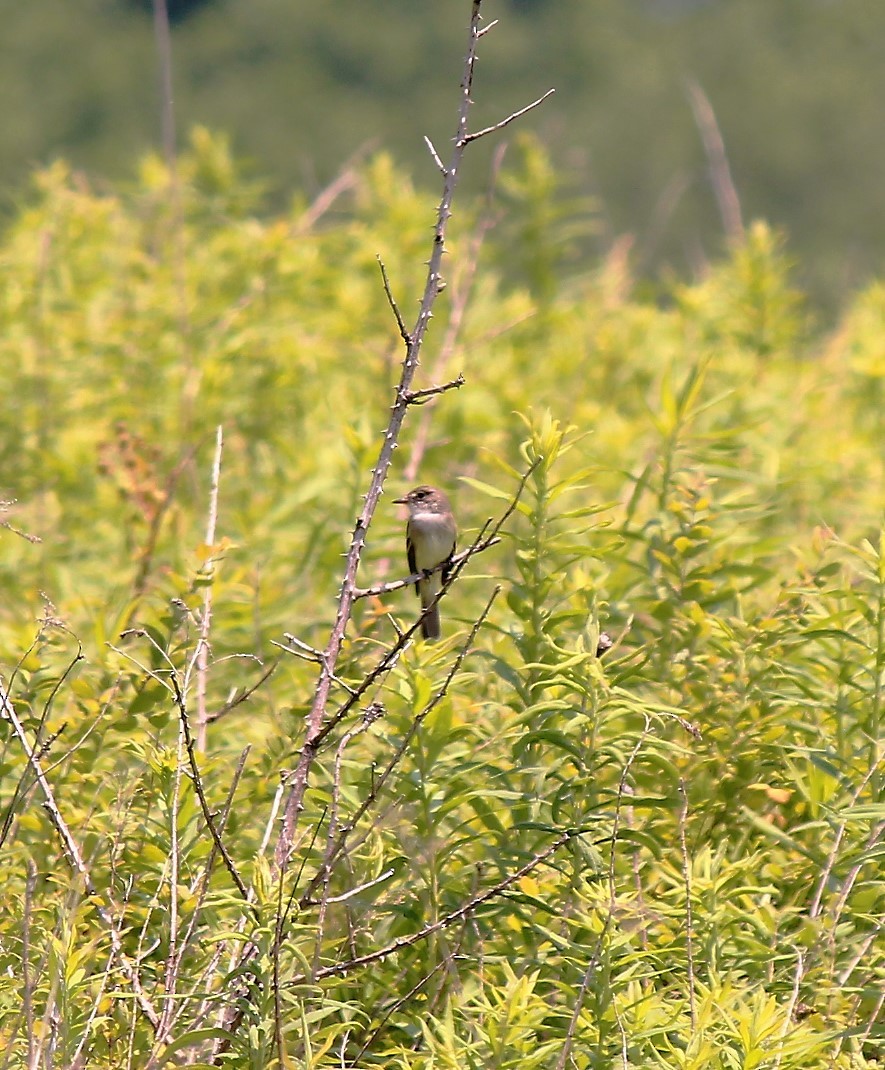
413 568
447 568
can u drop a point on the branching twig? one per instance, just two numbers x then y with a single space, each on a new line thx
75 859
396 757
198 788
234 1017
318 721
420 397
413 342
466 908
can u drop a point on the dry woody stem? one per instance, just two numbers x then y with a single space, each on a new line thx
320 722
75 859
404 398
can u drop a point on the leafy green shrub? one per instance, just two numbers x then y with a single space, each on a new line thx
664 856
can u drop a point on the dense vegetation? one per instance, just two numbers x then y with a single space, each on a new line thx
795 85
685 834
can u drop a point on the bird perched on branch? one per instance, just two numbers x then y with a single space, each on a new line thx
430 541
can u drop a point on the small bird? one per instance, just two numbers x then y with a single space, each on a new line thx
430 541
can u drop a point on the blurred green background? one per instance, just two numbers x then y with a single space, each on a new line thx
796 86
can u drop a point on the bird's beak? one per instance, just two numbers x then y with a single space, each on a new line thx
400 501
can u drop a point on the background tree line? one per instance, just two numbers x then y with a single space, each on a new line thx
796 86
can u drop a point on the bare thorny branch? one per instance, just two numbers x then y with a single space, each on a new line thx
319 722
404 398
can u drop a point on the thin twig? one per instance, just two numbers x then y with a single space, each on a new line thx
27 981
824 880
173 956
435 155
689 916
332 830
798 974
5 506
592 965
244 695
873 1019
462 289
394 307
345 180
466 908
200 985
420 397
202 652
198 788
717 159
510 118
78 1059
167 106
75 859
389 586
394 1007
403 746
22 788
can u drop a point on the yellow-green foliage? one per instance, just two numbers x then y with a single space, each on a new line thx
708 490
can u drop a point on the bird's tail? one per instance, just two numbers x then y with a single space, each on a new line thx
430 625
